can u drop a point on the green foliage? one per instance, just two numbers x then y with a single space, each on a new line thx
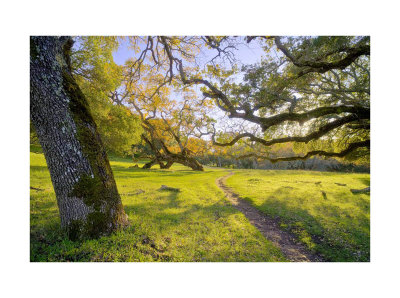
97 75
118 127
296 82
92 60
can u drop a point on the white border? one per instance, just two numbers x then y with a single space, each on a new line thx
23 18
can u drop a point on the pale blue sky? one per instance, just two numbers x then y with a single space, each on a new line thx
247 53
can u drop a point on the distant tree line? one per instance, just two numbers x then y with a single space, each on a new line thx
313 164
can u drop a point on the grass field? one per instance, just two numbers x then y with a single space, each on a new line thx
324 215
195 224
199 224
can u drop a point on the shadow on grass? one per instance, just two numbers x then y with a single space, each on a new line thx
337 234
38 168
179 173
365 181
167 215
44 205
35 148
162 172
172 213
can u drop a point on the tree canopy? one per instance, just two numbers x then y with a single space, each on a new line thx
98 77
309 91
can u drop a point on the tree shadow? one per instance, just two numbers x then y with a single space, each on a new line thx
365 181
172 212
38 168
337 241
162 172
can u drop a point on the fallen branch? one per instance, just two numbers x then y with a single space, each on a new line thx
38 189
164 187
364 190
135 193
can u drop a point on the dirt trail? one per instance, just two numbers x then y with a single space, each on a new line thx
269 227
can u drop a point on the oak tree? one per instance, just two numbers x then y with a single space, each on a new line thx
86 192
311 91
171 127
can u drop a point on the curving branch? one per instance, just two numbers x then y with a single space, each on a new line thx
352 115
265 123
323 130
349 149
361 112
352 53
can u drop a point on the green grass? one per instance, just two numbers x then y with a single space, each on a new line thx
199 224
325 216
195 224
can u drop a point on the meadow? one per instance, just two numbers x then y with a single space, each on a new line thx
318 207
198 224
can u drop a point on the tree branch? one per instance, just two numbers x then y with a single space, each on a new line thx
320 66
349 149
323 130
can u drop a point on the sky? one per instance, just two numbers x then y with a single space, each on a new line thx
123 53
248 54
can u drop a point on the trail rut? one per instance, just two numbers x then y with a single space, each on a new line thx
269 227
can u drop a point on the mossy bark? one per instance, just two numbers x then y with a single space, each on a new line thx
86 192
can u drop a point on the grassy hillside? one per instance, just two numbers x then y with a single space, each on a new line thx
317 206
195 224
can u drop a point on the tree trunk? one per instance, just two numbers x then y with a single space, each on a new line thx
149 164
86 192
167 165
192 163
175 158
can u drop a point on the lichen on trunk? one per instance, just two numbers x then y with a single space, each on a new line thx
86 192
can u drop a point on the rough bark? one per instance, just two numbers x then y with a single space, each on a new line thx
86 192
